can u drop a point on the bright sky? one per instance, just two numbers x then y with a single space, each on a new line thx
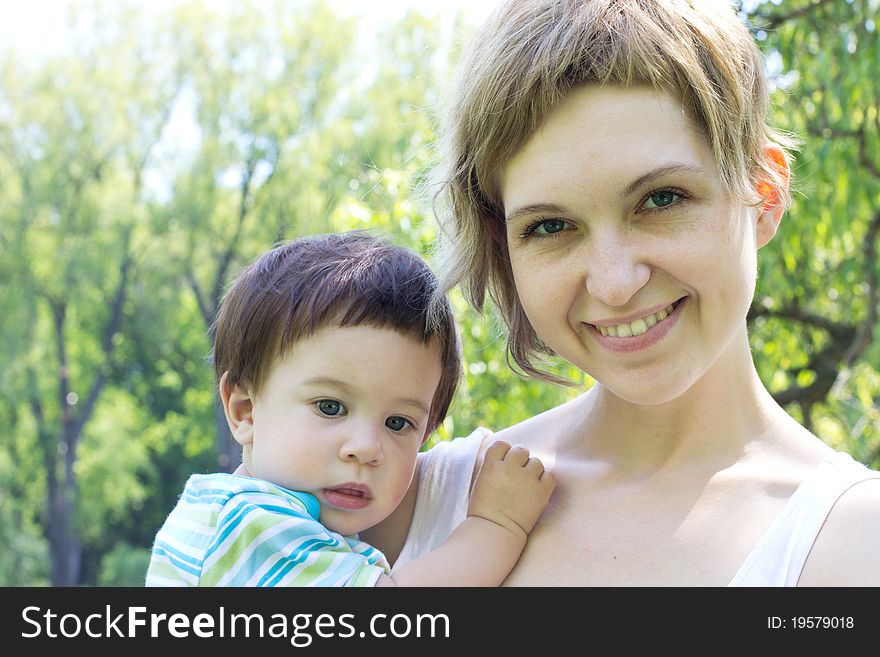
36 26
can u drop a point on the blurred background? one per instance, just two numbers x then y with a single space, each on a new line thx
149 150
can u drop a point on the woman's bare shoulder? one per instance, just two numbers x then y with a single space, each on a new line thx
845 552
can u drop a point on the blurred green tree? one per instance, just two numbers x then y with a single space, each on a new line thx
77 133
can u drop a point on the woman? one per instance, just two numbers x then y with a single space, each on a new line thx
610 180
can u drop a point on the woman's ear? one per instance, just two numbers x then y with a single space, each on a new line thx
238 407
773 194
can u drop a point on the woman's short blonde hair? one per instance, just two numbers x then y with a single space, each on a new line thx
524 61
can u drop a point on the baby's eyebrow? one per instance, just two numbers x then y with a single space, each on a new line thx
327 381
666 169
339 383
416 403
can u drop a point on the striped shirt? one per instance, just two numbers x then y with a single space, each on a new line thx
228 530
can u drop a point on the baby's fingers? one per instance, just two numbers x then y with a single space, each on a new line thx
502 451
535 467
517 455
496 451
548 480
544 478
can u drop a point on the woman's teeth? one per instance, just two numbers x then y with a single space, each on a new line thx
636 327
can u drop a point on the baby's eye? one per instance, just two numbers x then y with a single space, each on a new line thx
397 423
661 199
330 407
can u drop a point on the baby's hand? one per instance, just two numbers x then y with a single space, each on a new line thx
511 489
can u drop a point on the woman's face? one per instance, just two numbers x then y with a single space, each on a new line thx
630 259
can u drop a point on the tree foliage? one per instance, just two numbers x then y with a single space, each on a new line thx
815 329
146 164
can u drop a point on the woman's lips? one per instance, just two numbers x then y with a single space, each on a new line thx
348 496
638 342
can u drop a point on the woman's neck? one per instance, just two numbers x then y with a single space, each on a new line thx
725 415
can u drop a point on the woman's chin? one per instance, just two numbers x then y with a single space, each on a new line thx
645 392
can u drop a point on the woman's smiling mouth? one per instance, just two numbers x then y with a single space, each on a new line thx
639 333
638 326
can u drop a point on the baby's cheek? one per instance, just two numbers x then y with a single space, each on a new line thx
401 484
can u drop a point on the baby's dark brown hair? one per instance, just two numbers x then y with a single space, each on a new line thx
333 280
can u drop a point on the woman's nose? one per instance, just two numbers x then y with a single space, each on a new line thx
615 269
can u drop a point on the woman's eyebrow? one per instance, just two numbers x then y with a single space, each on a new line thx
673 167
535 208
659 172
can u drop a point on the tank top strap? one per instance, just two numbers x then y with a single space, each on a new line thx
780 554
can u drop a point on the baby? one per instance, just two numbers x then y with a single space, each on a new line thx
331 377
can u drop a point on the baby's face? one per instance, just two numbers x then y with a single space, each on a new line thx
342 416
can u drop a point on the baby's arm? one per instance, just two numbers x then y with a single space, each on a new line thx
509 494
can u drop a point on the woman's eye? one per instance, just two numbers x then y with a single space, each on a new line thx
396 423
549 226
330 407
544 228
661 199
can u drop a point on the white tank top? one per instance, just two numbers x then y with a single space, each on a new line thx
776 560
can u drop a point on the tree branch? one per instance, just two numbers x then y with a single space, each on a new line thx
826 365
863 337
771 21
231 247
59 317
114 322
864 157
801 316
40 420
848 343
826 132
197 291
